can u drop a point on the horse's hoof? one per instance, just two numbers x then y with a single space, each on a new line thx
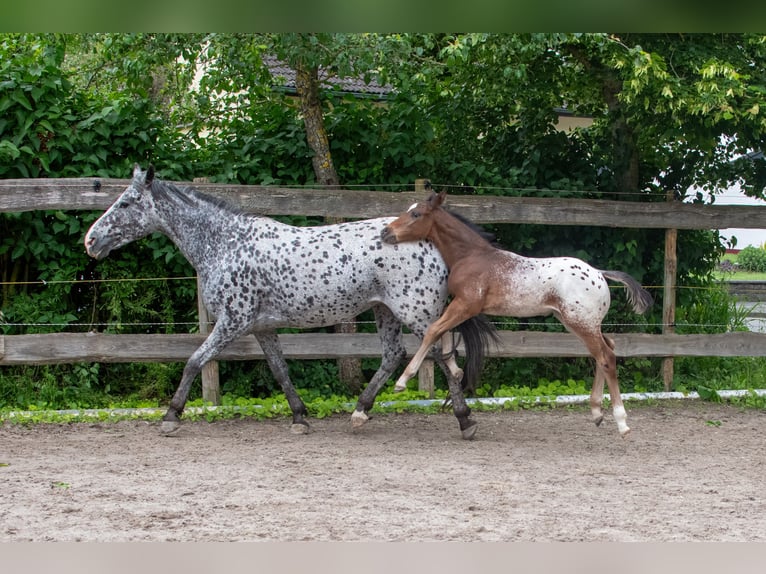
300 428
399 388
169 428
470 432
358 418
625 433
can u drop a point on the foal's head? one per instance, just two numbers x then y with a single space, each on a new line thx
415 223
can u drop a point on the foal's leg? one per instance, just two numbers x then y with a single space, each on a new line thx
273 350
606 362
597 390
390 333
597 395
219 337
455 314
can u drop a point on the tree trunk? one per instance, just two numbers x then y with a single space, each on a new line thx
625 151
625 157
307 86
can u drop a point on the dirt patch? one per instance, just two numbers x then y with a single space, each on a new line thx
689 471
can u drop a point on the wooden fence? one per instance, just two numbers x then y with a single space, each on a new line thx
98 194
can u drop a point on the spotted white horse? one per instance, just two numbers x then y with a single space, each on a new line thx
257 275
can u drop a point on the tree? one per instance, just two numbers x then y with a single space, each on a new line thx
672 109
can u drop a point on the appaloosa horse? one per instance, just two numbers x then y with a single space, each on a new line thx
257 275
485 279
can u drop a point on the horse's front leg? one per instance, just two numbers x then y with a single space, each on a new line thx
273 350
219 337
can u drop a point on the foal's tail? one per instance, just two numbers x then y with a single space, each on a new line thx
637 295
477 333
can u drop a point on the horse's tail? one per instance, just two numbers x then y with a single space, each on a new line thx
477 333
637 295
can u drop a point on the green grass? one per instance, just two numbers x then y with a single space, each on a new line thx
705 375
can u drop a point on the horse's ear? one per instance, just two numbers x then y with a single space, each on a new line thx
136 170
435 199
149 175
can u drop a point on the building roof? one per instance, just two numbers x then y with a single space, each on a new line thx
285 77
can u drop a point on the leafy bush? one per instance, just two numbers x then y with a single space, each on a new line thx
56 124
752 259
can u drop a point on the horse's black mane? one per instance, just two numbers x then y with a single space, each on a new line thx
167 190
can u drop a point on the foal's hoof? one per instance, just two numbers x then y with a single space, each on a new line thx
470 432
598 420
399 388
300 428
169 428
358 418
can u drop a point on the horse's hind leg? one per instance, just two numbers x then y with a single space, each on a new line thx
454 374
273 350
460 408
449 354
390 333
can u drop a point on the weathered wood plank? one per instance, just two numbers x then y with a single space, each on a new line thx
96 347
18 195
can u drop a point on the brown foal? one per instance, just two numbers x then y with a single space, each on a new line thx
485 279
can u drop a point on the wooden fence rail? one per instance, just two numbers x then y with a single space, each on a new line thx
57 348
98 194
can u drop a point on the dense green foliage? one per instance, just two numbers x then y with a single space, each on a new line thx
752 258
473 112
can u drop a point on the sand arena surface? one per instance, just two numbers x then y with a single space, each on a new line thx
689 471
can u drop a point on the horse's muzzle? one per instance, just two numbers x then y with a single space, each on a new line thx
387 235
94 248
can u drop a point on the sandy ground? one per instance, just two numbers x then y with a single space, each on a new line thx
689 471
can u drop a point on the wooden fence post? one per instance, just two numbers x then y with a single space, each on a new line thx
669 296
426 372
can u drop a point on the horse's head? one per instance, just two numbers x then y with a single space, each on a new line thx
415 223
129 218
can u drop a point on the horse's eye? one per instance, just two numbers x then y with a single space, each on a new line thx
415 214
123 204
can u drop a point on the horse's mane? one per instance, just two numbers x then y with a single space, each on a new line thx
487 236
168 191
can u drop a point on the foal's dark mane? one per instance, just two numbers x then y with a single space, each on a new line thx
168 191
487 236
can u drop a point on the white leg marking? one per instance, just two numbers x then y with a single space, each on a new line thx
358 418
621 417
